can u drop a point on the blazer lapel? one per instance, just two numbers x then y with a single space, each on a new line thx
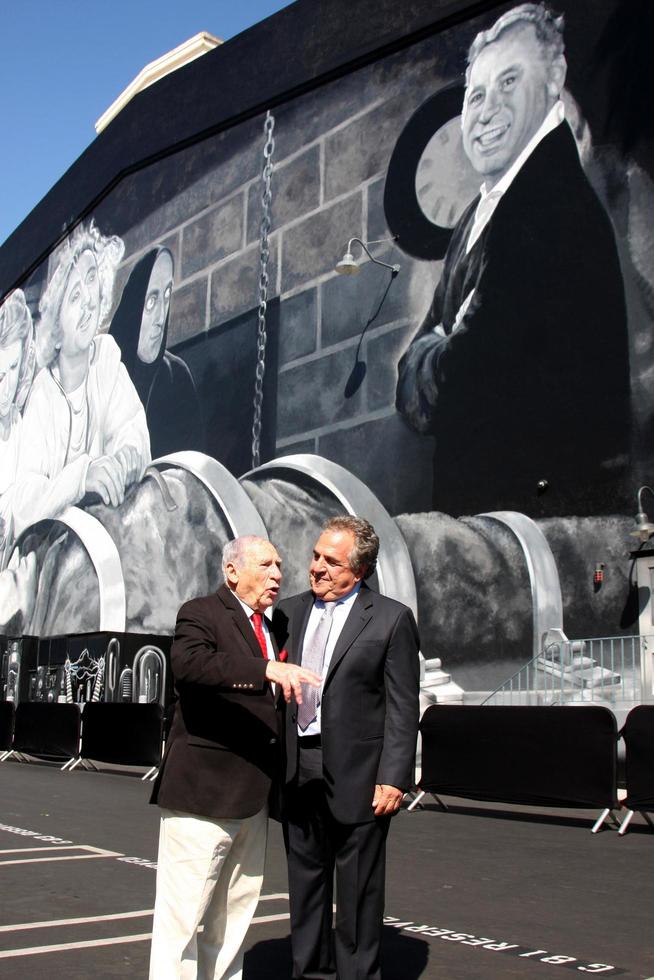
299 623
360 615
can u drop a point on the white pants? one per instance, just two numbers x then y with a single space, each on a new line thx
209 874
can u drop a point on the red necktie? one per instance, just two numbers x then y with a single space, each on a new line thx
257 622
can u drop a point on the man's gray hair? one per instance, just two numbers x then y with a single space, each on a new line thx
235 552
547 25
366 543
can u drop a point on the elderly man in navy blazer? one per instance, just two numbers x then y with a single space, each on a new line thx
221 759
350 751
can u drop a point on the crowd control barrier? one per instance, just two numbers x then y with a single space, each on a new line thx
638 736
538 756
123 734
50 730
7 713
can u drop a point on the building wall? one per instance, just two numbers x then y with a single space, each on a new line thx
343 158
331 155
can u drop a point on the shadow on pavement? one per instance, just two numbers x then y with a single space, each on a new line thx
402 956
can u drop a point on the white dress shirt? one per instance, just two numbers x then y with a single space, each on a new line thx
342 610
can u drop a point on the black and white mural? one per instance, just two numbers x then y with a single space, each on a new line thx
504 368
511 343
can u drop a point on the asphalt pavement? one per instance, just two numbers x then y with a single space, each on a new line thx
480 891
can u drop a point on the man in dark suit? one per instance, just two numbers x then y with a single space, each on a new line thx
521 367
221 758
350 751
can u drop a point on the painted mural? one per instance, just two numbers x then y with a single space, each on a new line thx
504 367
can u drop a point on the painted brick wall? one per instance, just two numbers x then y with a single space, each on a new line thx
332 149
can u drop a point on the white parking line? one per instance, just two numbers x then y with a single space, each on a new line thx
116 941
96 852
60 947
270 918
22 926
115 916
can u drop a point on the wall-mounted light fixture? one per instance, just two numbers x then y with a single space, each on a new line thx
348 265
644 528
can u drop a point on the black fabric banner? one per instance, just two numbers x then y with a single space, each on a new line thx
540 756
47 729
124 734
638 735
7 712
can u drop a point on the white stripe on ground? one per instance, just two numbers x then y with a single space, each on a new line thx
96 852
114 916
60 847
49 847
270 918
69 857
117 940
22 926
61 947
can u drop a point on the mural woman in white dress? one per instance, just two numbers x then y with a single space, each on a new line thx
17 363
84 427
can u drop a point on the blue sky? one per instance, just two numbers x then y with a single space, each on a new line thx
64 62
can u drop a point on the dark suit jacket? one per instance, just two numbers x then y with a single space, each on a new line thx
223 749
369 703
534 384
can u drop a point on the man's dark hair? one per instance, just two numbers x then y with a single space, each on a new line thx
366 543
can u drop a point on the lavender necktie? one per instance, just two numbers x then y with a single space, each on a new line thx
313 658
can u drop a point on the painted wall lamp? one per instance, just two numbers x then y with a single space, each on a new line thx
349 266
644 528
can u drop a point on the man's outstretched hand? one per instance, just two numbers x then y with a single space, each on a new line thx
290 678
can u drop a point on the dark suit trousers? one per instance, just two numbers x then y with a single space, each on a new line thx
317 846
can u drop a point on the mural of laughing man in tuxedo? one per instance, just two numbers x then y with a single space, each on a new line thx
520 368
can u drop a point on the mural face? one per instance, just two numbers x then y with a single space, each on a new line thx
10 359
506 367
162 380
510 89
155 308
16 372
80 308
